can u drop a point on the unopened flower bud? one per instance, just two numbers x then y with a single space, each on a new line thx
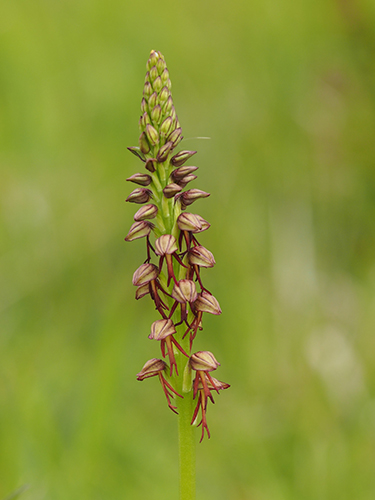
158 84
179 173
204 361
153 59
144 120
188 197
153 74
151 164
163 96
161 65
168 84
207 303
171 190
139 229
144 274
139 195
175 137
142 291
147 77
180 158
188 222
151 368
185 291
164 76
141 179
165 127
156 114
143 144
161 329
185 180
147 90
165 245
168 105
137 152
200 256
152 135
164 152
144 107
152 101
146 212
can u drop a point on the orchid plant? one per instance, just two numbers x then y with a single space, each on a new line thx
171 274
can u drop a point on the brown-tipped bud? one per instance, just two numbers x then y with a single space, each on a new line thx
144 106
166 126
151 368
168 105
143 144
152 135
137 152
161 65
139 229
146 212
164 76
144 274
171 190
147 90
161 329
141 179
158 84
189 222
207 303
175 137
168 84
153 73
204 361
185 291
201 257
185 180
181 172
189 197
180 158
139 195
152 101
163 96
144 120
164 152
147 77
165 245
142 291
156 114
153 59
151 164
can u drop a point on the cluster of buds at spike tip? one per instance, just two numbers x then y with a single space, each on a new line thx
173 280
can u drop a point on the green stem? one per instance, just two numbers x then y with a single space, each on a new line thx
186 448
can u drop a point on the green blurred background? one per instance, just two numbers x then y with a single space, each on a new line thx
286 91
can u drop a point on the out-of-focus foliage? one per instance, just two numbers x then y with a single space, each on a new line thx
286 91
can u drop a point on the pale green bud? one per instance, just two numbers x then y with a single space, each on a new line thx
163 96
166 126
168 105
165 76
137 152
144 106
156 114
153 59
147 90
175 137
152 135
158 84
153 74
152 101
143 144
171 190
180 158
179 173
161 66
164 152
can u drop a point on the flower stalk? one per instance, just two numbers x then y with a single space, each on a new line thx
171 273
